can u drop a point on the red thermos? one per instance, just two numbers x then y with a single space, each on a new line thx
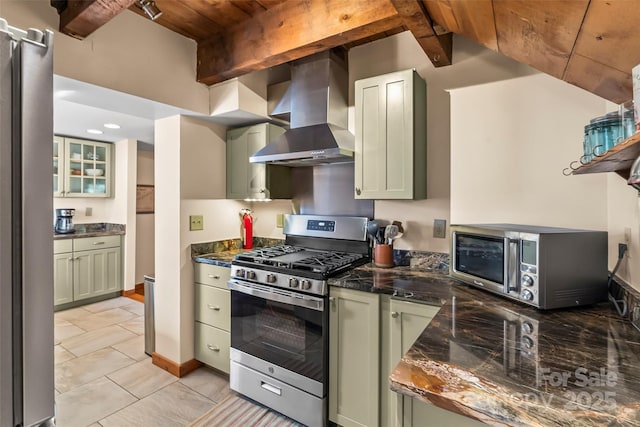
247 229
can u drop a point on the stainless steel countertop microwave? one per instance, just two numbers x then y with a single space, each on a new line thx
545 267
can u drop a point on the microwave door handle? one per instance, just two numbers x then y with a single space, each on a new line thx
511 265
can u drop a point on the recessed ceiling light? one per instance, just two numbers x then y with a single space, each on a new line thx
95 131
111 126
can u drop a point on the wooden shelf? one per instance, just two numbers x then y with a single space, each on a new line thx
619 159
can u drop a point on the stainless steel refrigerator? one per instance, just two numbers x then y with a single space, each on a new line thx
26 234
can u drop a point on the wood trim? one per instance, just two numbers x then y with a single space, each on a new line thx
178 370
139 289
128 292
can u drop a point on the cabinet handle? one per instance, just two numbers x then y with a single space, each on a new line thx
77 258
273 389
394 314
213 307
214 276
213 348
98 243
70 258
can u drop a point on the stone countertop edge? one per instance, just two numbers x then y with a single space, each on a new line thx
222 252
458 362
92 230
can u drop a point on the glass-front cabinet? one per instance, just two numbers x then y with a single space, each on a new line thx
58 166
86 170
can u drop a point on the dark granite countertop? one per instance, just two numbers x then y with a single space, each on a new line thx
222 252
92 230
223 259
582 367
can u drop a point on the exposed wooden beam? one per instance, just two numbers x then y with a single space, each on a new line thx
415 17
290 31
82 17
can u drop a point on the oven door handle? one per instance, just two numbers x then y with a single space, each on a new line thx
277 294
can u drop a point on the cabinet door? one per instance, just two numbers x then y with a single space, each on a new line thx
62 278
212 346
87 168
58 166
354 358
388 139
96 272
244 179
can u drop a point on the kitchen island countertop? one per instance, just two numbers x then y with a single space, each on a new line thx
581 367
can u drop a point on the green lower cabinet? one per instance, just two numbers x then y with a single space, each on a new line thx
402 324
62 278
354 358
96 272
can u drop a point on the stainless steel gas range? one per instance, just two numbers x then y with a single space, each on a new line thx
280 317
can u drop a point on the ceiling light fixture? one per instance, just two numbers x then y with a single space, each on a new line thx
94 131
111 126
150 9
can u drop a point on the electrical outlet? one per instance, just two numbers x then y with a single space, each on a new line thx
88 211
280 220
196 222
440 228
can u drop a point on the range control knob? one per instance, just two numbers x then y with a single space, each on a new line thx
527 280
527 295
251 274
240 273
527 343
293 282
271 278
306 284
527 328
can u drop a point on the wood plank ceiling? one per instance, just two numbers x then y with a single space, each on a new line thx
592 44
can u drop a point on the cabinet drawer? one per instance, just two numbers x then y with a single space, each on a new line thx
213 275
91 243
212 306
212 346
62 246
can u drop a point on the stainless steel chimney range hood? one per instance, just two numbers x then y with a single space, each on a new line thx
318 134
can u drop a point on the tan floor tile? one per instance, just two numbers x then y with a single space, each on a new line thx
107 304
61 355
135 325
208 383
97 339
134 348
135 307
91 402
64 329
72 313
84 369
142 378
174 406
103 318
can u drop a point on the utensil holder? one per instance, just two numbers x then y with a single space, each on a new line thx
383 256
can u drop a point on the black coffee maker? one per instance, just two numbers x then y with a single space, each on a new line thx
64 221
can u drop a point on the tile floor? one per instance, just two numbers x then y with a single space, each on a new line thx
104 378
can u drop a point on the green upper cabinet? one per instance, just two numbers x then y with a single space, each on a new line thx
391 148
81 168
254 180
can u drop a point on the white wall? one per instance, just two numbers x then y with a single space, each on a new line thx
473 64
508 154
623 203
130 54
145 223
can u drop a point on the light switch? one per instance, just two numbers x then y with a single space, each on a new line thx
196 222
280 220
440 228
88 211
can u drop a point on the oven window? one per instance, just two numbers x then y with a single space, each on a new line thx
480 256
283 334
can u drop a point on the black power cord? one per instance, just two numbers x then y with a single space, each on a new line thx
622 249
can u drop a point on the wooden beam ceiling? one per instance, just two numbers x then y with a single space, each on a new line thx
291 31
82 17
415 17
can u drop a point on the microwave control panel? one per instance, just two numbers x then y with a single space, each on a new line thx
528 270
